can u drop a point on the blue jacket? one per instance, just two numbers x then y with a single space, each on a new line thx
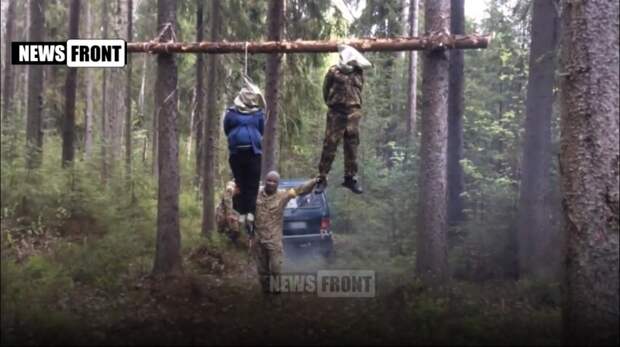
244 129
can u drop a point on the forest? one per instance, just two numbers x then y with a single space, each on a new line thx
490 167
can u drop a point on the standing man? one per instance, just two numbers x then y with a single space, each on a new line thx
342 92
270 204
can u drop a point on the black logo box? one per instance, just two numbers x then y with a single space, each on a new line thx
15 52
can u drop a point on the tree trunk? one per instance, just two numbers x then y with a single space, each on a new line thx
68 133
117 79
271 140
200 104
104 114
7 88
431 255
212 117
363 45
589 164
455 118
128 148
34 133
168 255
412 84
534 225
88 119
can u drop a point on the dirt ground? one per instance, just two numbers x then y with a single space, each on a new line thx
218 301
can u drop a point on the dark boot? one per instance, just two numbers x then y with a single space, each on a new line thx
321 185
352 183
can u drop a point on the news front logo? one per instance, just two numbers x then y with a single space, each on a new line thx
73 53
326 283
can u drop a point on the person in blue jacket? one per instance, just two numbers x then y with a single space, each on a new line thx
243 125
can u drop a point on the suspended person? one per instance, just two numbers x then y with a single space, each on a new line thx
342 92
268 248
243 125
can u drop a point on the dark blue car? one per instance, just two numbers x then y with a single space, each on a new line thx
306 222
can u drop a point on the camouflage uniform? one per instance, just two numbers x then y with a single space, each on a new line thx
226 217
342 93
269 250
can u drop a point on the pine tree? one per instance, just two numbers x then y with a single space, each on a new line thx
431 255
271 140
34 132
68 134
534 227
168 254
589 165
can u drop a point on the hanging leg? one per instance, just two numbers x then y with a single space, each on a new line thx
350 145
334 131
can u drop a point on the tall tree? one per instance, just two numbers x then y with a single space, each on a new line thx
128 147
116 89
275 19
455 117
168 254
431 255
200 104
90 79
34 133
104 101
68 132
7 91
589 165
534 226
412 84
212 118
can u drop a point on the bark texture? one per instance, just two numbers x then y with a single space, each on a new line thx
128 147
116 88
431 255
34 133
88 117
455 117
429 42
104 102
68 129
200 103
168 254
412 84
7 91
271 143
210 132
589 163
534 225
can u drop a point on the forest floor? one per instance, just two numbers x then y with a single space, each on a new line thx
217 301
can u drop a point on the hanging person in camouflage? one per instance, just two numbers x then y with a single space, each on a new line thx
342 92
270 204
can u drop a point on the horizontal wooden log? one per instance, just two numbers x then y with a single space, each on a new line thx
429 42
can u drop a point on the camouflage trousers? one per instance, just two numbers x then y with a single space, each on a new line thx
341 125
268 263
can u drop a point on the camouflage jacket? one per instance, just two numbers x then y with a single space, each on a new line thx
343 90
270 213
226 217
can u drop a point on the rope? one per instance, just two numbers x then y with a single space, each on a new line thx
245 66
159 39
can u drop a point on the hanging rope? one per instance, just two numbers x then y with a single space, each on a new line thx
245 66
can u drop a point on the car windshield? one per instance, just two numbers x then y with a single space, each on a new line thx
306 201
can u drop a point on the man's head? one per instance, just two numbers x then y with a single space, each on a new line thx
272 180
250 98
350 58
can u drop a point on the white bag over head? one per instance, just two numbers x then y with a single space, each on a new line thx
350 56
